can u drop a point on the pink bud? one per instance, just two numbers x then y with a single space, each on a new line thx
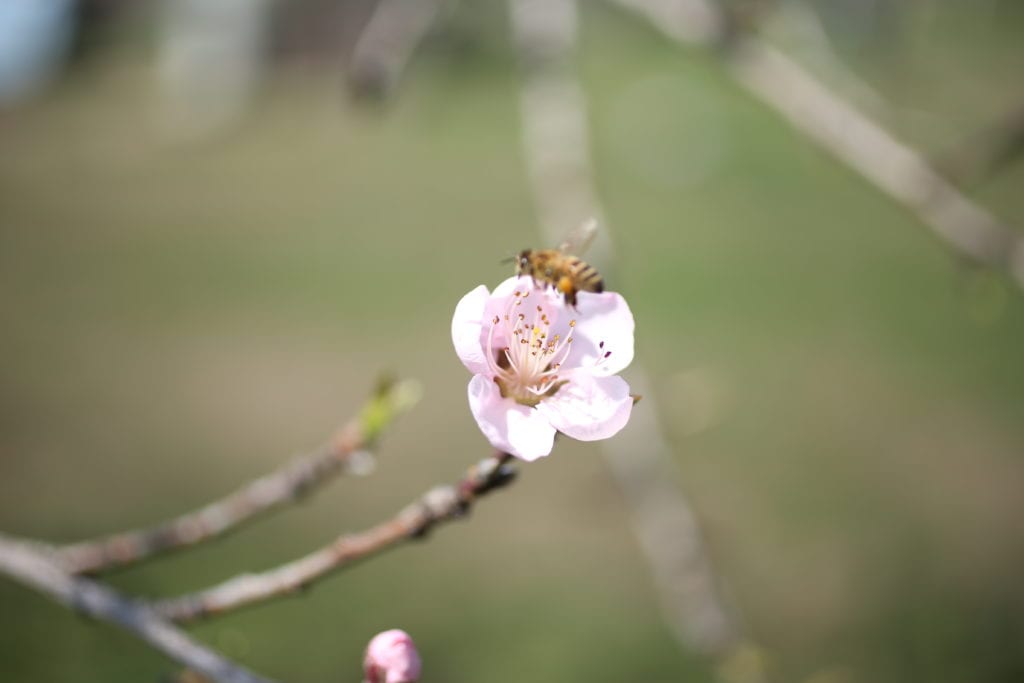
391 657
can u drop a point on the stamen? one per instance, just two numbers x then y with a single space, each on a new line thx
511 360
528 371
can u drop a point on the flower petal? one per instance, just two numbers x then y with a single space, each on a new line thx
604 318
510 427
507 287
589 408
468 329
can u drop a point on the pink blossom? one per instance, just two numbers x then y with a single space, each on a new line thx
391 657
540 366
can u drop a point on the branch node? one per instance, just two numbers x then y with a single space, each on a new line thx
441 501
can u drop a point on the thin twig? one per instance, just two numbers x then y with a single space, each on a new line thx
281 487
849 135
28 564
440 504
555 135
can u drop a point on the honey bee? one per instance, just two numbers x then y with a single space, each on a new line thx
559 269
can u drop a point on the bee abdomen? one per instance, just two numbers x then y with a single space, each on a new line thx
589 279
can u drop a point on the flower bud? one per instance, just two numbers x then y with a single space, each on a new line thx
391 657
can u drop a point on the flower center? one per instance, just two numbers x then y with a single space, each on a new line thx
527 369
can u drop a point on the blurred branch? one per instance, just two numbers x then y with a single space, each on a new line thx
30 565
387 43
850 136
815 46
867 148
553 119
281 487
438 505
555 135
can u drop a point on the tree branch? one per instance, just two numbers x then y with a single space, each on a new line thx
555 146
386 45
850 136
281 487
440 504
30 565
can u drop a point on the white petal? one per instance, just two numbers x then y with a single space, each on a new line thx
604 318
468 329
510 427
589 408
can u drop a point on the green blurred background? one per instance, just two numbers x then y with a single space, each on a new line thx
844 397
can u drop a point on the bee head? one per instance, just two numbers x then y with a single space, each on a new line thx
523 261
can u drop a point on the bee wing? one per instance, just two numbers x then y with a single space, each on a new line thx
577 241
